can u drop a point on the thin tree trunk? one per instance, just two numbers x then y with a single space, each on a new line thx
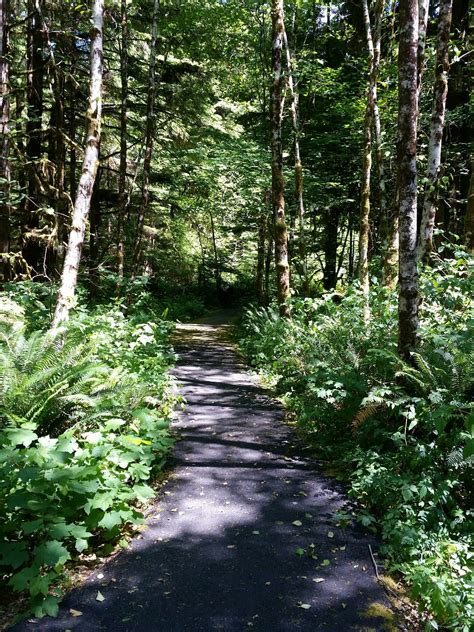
294 108
149 134
268 263
408 303
5 170
260 273
217 272
423 14
32 249
469 217
363 266
425 244
377 39
330 248
278 197
123 140
90 164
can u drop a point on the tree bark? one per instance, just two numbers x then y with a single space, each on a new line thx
425 244
32 249
5 170
90 163
278 197
364 225
123 139
330 248
469 217
149 136
260 272
423 14
408 303
377 126
298 169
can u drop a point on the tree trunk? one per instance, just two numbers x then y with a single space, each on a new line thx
423 14
278 197
408 303
217 271
88 175
377 126
32 248
363 266
469 218
260 273
268 264
425 244
5 170
123 140
294 108
149 134
330 248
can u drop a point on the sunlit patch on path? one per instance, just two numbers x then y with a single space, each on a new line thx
247 535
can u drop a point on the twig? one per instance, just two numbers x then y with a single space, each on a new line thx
374 563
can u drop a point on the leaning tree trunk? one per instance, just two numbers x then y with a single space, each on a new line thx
278 197
149 135
363 269
5 141
408 303
294 108
90 164
425 244
123 140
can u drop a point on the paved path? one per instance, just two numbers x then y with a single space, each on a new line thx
221 548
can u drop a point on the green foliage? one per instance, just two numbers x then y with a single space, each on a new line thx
84 426
405 430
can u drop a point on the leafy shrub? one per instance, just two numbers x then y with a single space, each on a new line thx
405 432
84 424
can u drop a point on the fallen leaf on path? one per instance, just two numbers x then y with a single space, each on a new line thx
325 562
256 532
100 596
344 605
318 580
231 546
305 606
75 613
300 551
308 515
330 534
297 523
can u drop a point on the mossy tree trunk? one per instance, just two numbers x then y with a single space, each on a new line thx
425 244
5 170
122 193
149 136
278 197
408 303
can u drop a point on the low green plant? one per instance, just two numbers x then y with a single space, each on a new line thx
403 433
84 427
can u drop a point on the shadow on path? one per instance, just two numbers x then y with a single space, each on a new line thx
244 533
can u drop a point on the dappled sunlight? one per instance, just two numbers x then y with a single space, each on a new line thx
245 527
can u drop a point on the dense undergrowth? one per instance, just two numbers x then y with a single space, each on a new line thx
403 433
84 428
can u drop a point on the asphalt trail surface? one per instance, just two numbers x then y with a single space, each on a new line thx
244 536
